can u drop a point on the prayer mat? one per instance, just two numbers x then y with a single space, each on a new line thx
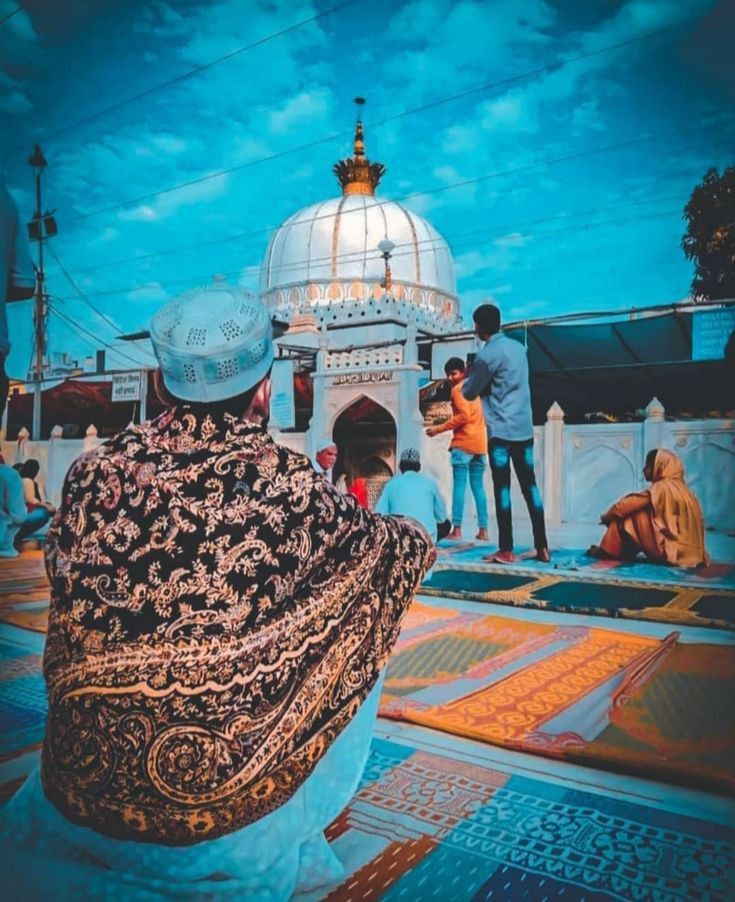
31 615
23 579
604 594
718 575
22 694
24 591
607 699
432 825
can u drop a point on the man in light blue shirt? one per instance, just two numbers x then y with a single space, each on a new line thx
412 494
16 521
499 375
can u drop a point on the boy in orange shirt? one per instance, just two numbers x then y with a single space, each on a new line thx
468 450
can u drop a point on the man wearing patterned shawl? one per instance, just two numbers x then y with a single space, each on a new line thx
220 618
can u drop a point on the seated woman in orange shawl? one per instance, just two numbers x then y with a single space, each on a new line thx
664 522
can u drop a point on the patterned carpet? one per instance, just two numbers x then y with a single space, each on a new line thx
426 825
718 575
24 591
431 820
692 601
608 699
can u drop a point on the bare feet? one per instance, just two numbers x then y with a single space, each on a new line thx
542 555
482 534
500 557
455 534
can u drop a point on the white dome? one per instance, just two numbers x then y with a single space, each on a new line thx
325 259
338 239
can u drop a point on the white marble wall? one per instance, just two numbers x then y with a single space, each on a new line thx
602 462
581 470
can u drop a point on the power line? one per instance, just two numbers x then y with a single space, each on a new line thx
226 239
527 167
97 341
409 252
10 15
372 123
620 145
197 69
83 296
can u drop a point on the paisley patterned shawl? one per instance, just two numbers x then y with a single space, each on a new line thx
218 614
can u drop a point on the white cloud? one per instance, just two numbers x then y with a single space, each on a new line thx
151 291
170 144
308 107
143 213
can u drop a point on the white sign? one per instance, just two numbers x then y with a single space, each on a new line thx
711 330
126 387
283 407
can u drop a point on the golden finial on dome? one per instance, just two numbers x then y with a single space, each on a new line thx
357 174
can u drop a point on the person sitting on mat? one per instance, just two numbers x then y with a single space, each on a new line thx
665 521
414 494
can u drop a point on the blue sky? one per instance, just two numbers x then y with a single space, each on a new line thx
539 234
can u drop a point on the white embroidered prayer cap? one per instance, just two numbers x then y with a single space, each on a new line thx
410 456
212 343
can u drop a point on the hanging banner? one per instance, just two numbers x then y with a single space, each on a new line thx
283 408
126 386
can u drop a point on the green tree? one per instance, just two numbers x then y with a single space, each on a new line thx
710 236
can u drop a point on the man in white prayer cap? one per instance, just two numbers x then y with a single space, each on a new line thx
414 494
325 459
219 624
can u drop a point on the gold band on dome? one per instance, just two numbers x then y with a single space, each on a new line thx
361 187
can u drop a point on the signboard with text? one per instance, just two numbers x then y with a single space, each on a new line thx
126 387
283 406
710 332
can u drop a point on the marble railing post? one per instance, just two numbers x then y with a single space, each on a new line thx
653 427
554 464
90 438
55 466
21 448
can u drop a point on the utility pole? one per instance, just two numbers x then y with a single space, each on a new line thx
41 226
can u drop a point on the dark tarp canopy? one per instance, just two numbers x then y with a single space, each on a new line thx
618 367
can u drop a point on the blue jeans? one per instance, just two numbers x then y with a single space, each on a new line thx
502 453
464 464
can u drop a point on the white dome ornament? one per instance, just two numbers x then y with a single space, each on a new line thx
212 343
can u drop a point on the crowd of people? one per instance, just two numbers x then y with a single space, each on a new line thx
221 616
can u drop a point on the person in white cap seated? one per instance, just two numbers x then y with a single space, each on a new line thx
325 459
416 495
220 619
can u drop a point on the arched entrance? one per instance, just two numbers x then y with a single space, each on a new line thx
365 434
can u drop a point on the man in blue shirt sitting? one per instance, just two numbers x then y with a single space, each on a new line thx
499 375
412 494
